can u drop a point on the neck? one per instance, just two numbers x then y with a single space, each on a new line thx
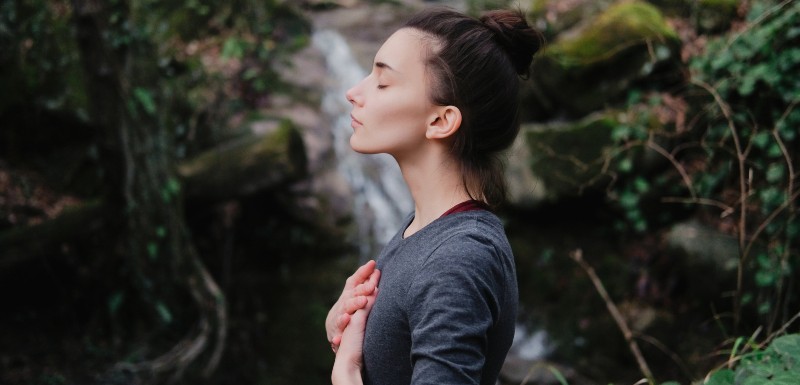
435 182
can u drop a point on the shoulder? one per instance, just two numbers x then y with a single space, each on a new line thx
473 237
471 247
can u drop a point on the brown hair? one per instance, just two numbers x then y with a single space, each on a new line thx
476 65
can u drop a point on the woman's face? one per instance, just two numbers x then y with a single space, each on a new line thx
391 107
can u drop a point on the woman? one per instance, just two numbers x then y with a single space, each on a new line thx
442 100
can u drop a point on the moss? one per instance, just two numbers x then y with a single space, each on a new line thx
568 157
247 164
623 25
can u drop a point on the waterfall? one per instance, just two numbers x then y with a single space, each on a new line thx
381 199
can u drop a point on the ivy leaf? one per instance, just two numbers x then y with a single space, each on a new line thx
152 250
233 48
115 301
722 377
145 100
163 312
761 139
787 346
625 165
775 172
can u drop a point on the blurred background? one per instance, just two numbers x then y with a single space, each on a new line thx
179 203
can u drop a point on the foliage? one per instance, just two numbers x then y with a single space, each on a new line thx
38 56
728 146
778 364
154 81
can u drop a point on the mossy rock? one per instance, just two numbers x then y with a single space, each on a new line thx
591 68
709 16
247 165
553 17
566 157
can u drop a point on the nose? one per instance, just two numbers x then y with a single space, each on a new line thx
353 95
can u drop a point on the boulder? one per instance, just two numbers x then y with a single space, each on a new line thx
552 17
709 16
562 159
591 67
247 165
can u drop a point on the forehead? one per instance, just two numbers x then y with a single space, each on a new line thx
403 50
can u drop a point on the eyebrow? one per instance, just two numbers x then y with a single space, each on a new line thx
382 65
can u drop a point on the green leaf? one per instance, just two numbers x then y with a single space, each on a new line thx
625 165
163 312
785 378
628 200
234 48
115 301
621 133
641 185
557 374
771 195
161 231
721 377
173 186
774 151
775 172
787 346
761 139
152 250
145 99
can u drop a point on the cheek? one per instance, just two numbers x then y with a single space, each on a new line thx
408 107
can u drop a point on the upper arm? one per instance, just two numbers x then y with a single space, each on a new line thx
454 301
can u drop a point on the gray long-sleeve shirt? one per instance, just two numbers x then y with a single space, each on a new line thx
447 304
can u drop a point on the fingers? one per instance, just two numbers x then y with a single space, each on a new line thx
372 283
368 286
359 319
342 322
353 304
362 274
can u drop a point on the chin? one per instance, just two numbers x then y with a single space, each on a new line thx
359 149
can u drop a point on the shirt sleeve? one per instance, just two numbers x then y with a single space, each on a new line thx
453 305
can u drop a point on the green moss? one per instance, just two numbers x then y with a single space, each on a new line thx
623 25
568 157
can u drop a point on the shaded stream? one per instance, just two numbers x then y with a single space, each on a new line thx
381 199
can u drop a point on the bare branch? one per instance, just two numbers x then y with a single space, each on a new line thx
577 256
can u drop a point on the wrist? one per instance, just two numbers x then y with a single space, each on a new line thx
345 373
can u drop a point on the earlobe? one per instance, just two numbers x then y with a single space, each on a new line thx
444 123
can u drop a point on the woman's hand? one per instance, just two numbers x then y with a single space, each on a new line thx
357 289
349 357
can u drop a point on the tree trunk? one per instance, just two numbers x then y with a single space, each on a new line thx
144 196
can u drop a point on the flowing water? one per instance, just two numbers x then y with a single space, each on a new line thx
381 199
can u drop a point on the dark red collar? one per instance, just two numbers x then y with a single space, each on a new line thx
469 205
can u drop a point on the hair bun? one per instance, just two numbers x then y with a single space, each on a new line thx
518 39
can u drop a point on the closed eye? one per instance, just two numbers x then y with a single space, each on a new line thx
382 86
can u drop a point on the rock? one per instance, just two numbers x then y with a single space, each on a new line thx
588 68
705 245
247 165
563 158
552 17
710 16
524 188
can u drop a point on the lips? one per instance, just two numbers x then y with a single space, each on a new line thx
354 122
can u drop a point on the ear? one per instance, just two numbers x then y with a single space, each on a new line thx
443 123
